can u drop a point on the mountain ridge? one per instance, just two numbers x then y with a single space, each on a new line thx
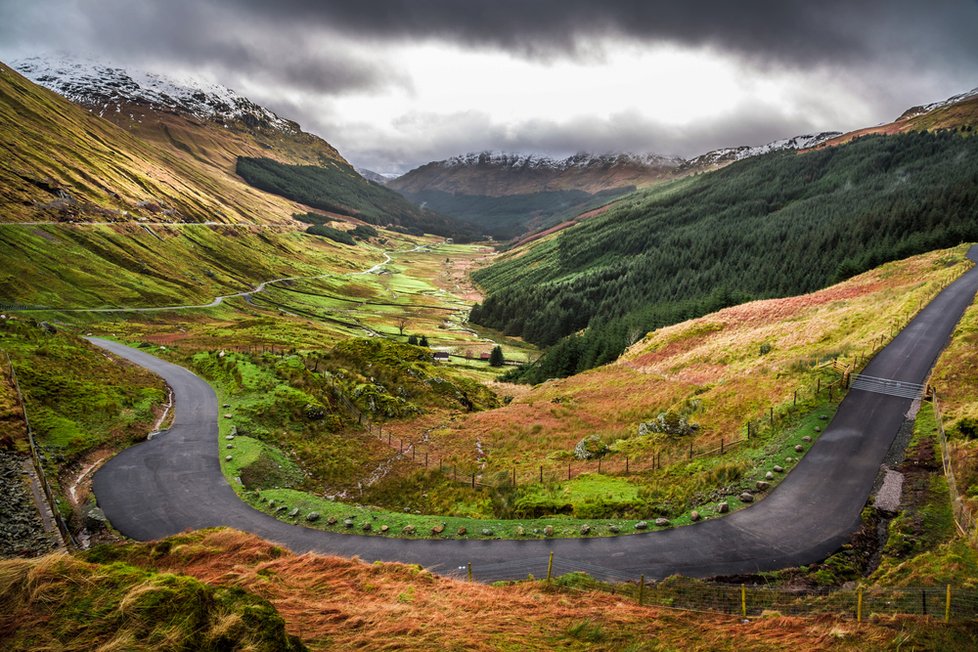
179 113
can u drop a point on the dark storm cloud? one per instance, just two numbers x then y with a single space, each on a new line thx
194 35
792 32
779 32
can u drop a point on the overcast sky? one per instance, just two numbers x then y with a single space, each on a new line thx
394 84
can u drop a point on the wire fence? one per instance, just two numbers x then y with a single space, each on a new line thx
37 458
424 454
964 518
945 602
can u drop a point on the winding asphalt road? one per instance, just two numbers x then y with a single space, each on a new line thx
174 483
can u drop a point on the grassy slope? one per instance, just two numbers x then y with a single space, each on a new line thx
423 289
83 266
53 147
956 377
62 603
79 402
923 546
218 144
50 144
960 116
703 359
335 603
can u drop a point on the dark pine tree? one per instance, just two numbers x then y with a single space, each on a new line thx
496 358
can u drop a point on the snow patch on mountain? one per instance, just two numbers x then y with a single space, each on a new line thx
376 177
729 154
104 88
581 160
927 108
585 160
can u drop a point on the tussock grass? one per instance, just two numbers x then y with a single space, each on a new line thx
336 603
59 602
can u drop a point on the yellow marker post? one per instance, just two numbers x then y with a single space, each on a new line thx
743 600
550 566
470 571
859 606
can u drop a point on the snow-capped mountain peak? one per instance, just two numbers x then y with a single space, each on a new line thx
104 88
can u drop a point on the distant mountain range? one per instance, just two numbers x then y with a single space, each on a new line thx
509 194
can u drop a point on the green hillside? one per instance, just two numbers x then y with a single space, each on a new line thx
772 226
339 189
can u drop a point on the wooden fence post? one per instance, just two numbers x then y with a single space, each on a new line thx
947 604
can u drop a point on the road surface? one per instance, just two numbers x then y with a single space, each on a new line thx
174 483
